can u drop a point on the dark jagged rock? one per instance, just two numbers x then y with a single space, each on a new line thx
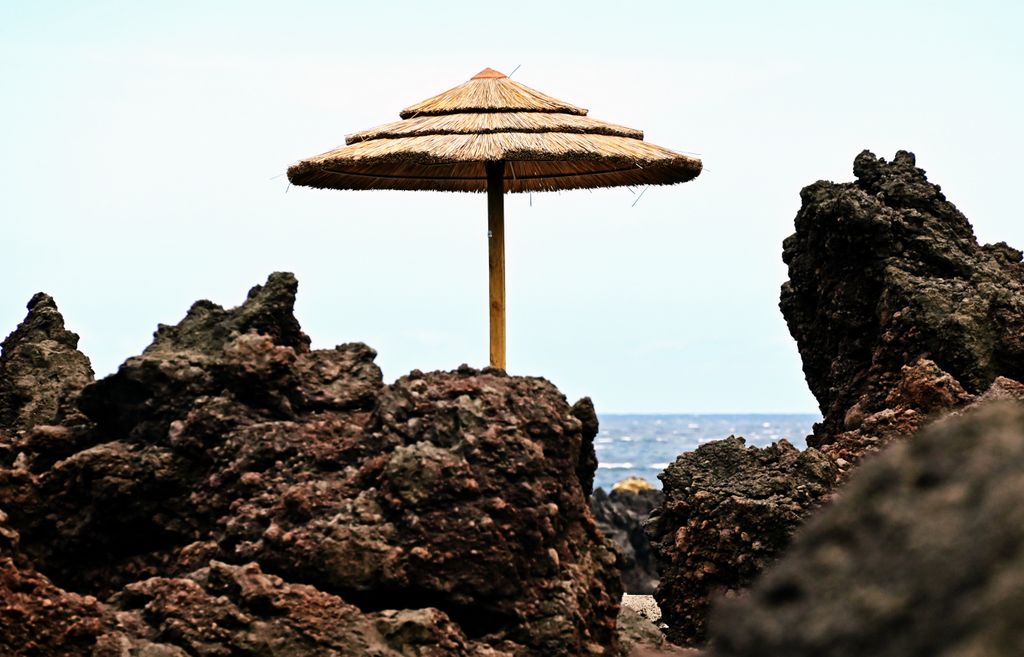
41 370
897 311
447 510
729 510
583 410
250 351
900 317
620 516
919 555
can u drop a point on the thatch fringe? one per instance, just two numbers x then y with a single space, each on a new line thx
520 176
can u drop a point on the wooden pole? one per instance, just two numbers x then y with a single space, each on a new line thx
496 258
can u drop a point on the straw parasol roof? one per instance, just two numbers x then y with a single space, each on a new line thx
493 135
443 143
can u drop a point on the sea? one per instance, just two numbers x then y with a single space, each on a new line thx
644 445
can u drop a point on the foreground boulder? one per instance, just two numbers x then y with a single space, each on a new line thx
728 512
899 314
232 475
919 555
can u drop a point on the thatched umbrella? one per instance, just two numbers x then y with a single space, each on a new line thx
495 135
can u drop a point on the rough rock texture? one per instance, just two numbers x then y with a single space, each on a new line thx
41 369
620 516
897 311
922 553
217 611
639 637
729 510
239 610
36 617
232 475
900 317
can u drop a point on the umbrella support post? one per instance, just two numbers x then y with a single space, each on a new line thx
496 258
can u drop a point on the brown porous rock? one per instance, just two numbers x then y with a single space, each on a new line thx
729 510
237 492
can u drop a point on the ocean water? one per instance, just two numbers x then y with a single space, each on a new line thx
644 445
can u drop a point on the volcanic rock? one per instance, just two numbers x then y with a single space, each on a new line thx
36 617
218 610
899 314
446 512
583 410
41 370
239 610
639 637
900 317
920 554
620 516
729 510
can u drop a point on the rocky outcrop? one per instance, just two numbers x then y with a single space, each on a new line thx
620 516
919 555
898 312
41 370
238 492
729 510
900 317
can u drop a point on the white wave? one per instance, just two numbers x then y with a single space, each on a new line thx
615 466
657 466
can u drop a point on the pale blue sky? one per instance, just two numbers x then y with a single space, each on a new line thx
140 143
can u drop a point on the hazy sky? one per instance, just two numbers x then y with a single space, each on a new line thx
142 147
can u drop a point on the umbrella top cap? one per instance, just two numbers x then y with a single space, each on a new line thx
488 74
490 91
